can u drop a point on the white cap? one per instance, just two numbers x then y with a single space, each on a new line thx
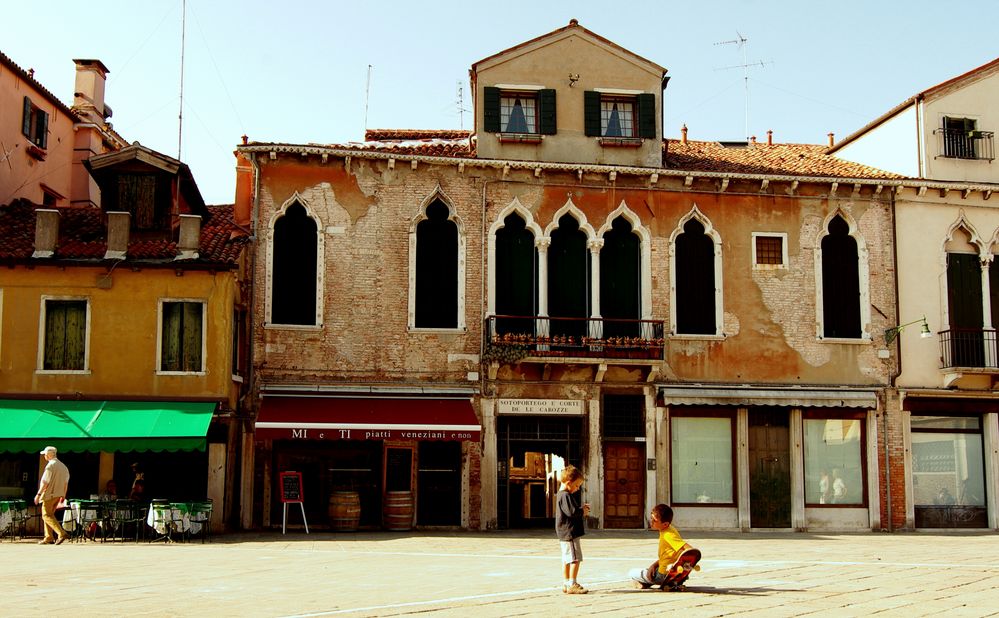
47 449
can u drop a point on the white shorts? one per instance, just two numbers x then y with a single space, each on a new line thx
572 551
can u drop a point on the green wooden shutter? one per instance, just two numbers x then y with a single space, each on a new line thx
546 111
591 113
26 118
647 116
192 330
491 109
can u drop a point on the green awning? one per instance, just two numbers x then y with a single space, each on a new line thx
111 426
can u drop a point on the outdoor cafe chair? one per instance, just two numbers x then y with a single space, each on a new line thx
88 515
128 513
201 519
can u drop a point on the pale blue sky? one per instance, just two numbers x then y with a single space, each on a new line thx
295 71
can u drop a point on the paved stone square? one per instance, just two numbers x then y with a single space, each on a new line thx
508 573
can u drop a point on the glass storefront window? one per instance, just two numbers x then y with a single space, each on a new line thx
701 453
834 472
947 469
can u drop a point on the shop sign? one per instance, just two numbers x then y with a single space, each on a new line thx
368 433
540 407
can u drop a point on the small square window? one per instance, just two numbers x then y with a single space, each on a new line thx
518 112
769 251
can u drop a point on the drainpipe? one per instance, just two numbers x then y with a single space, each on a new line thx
898 357
250 374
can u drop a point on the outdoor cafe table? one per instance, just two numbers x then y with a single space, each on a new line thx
174 516
90 510
8 508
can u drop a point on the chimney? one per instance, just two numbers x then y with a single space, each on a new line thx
832 139
190 237
46 232
119 224
752 140
770 137
683 134
88 98
243 204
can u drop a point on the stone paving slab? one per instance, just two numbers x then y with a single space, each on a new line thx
508 573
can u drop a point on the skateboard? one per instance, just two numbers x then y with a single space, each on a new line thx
679 571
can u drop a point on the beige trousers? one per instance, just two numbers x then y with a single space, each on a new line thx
51 524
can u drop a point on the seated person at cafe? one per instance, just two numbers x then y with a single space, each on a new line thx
110 491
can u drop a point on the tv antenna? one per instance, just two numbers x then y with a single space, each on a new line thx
367 91
742 44
461 105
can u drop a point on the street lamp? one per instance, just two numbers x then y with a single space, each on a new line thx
892 333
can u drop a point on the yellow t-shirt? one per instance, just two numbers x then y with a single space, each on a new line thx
670 546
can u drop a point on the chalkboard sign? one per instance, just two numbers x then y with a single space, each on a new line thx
291 486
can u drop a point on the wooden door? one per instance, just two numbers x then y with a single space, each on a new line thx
769 468
624 485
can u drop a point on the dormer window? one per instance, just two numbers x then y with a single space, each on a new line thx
963 140
519 112
619 117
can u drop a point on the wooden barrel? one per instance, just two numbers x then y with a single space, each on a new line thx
345 510
398 510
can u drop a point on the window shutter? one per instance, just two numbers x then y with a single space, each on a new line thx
546 103
591 113
26 119
491 109
969 125
647 115
43 129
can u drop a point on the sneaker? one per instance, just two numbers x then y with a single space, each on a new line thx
575 588
45 542
639 585
60 540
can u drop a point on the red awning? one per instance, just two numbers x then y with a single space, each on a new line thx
361 418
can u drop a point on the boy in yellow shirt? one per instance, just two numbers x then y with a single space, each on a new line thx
671 545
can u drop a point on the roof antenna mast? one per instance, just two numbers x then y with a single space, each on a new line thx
367 91
742 44
180 114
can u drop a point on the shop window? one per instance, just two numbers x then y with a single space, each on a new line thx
840 282
695 281
436 296
294 268
35 124
624 416
182 336
701 456
948 471
834 460
65 336
516 277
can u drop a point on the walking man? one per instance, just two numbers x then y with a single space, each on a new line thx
52 489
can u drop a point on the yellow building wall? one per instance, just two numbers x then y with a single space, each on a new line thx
123 332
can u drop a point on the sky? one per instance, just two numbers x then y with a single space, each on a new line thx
316 71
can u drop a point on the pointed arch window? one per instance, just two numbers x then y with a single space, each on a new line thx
516 277
695 281
621 280
436 269
294 270
841 307
568 279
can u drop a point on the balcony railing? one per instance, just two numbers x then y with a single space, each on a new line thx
961 144
510 338
969 348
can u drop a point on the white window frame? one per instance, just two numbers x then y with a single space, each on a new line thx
40 361
159 336
437 194
320 266
783 250
863 273
712 233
